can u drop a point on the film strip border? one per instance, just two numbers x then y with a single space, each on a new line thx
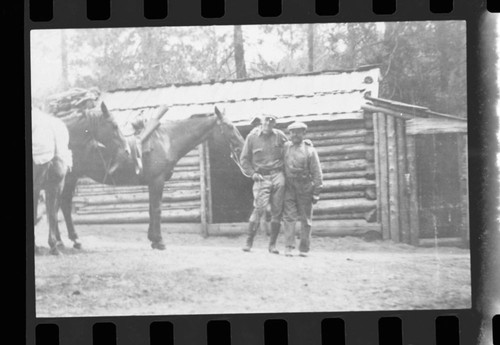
355 328
101 10
391 330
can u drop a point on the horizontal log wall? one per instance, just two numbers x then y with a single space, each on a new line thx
346 153
103 204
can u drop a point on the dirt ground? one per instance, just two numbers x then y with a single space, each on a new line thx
117 273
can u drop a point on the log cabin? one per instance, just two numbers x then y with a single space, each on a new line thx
392 171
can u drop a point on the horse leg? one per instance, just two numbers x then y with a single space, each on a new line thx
58 187
66 205
36 196
39 176
155 197
55 184
51 204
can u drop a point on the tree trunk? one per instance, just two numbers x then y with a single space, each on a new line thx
310 46
64 61
239 53
444 58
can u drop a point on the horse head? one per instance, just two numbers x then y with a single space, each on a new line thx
231 135
108 137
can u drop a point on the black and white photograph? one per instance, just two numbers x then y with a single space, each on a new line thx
237 169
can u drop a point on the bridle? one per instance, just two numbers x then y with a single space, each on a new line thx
91 117
233 152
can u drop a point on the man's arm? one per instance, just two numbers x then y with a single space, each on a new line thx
246 157
282 138
316 173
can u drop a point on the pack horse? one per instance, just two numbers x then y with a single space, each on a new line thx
164 144
102 153
52 159
88 137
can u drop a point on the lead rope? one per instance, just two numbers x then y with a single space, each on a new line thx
106 168
233 154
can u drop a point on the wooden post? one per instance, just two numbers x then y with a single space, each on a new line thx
203 188
464 187
384 180
209 183
377 166
392 113
403 196
412 190
393 179
368 120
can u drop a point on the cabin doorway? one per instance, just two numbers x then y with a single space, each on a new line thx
232 198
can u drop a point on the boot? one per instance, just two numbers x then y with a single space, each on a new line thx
265 226
305 238
252 230
275 230
289 233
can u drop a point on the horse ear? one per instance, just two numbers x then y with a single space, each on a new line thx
220 114
104 109
217 112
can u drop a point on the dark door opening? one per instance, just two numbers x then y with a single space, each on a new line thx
232 199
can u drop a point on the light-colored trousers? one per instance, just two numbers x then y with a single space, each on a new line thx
298 206
269 192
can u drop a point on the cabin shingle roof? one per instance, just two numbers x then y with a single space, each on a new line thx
308 97
315 96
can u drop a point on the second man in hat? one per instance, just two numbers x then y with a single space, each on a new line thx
304 180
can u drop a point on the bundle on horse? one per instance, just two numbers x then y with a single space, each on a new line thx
163 144
95 140
51 161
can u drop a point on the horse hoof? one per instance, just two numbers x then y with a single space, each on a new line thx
77 245
60 244
54 251
158 245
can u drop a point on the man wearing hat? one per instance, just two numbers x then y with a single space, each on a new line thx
262 159
303 185
264 223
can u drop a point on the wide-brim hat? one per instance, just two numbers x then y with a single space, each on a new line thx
268 116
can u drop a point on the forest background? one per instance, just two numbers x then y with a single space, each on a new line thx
422 63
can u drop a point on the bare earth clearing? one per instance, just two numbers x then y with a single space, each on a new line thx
117 273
